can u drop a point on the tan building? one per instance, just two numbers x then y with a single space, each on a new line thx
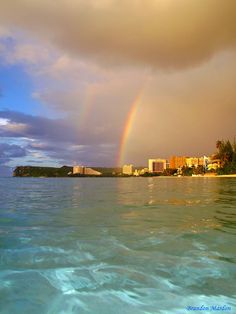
78 170
197 161
177 162
192 162
91 172
127 169
201 161
85 171
156 165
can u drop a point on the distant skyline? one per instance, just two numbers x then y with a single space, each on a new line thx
104 83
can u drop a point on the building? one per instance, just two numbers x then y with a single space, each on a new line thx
91 172
197 161
156 165
213 164
136 173
78 170
143 171
192 162
127 169
203 161
85 171
177 162
140 172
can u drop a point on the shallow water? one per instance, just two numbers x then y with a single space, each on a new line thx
117 245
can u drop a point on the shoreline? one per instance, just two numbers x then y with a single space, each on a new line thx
227 176
177 177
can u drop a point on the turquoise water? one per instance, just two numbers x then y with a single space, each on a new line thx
109 245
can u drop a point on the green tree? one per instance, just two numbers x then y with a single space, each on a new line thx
226 152
199 170
186 171
234 152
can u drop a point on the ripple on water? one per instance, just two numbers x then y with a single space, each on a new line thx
140 245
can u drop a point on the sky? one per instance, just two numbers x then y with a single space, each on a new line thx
108 82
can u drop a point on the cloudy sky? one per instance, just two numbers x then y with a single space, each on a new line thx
71 71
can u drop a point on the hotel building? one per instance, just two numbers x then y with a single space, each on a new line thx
213 163
180 162
192 162
85 171
127 169
156 165
177 162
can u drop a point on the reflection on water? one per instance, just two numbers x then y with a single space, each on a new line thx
177 195
128 245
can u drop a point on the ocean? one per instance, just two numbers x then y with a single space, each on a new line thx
117 245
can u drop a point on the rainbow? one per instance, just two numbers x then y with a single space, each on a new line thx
128 128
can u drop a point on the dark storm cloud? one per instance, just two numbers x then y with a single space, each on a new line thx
23 125
97 154
181 112
58 130
56 139
11 151
161 33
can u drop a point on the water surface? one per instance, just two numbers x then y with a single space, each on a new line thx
117 245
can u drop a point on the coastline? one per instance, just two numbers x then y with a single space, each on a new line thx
176 177
226 176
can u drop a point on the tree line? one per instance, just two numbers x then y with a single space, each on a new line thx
226 153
